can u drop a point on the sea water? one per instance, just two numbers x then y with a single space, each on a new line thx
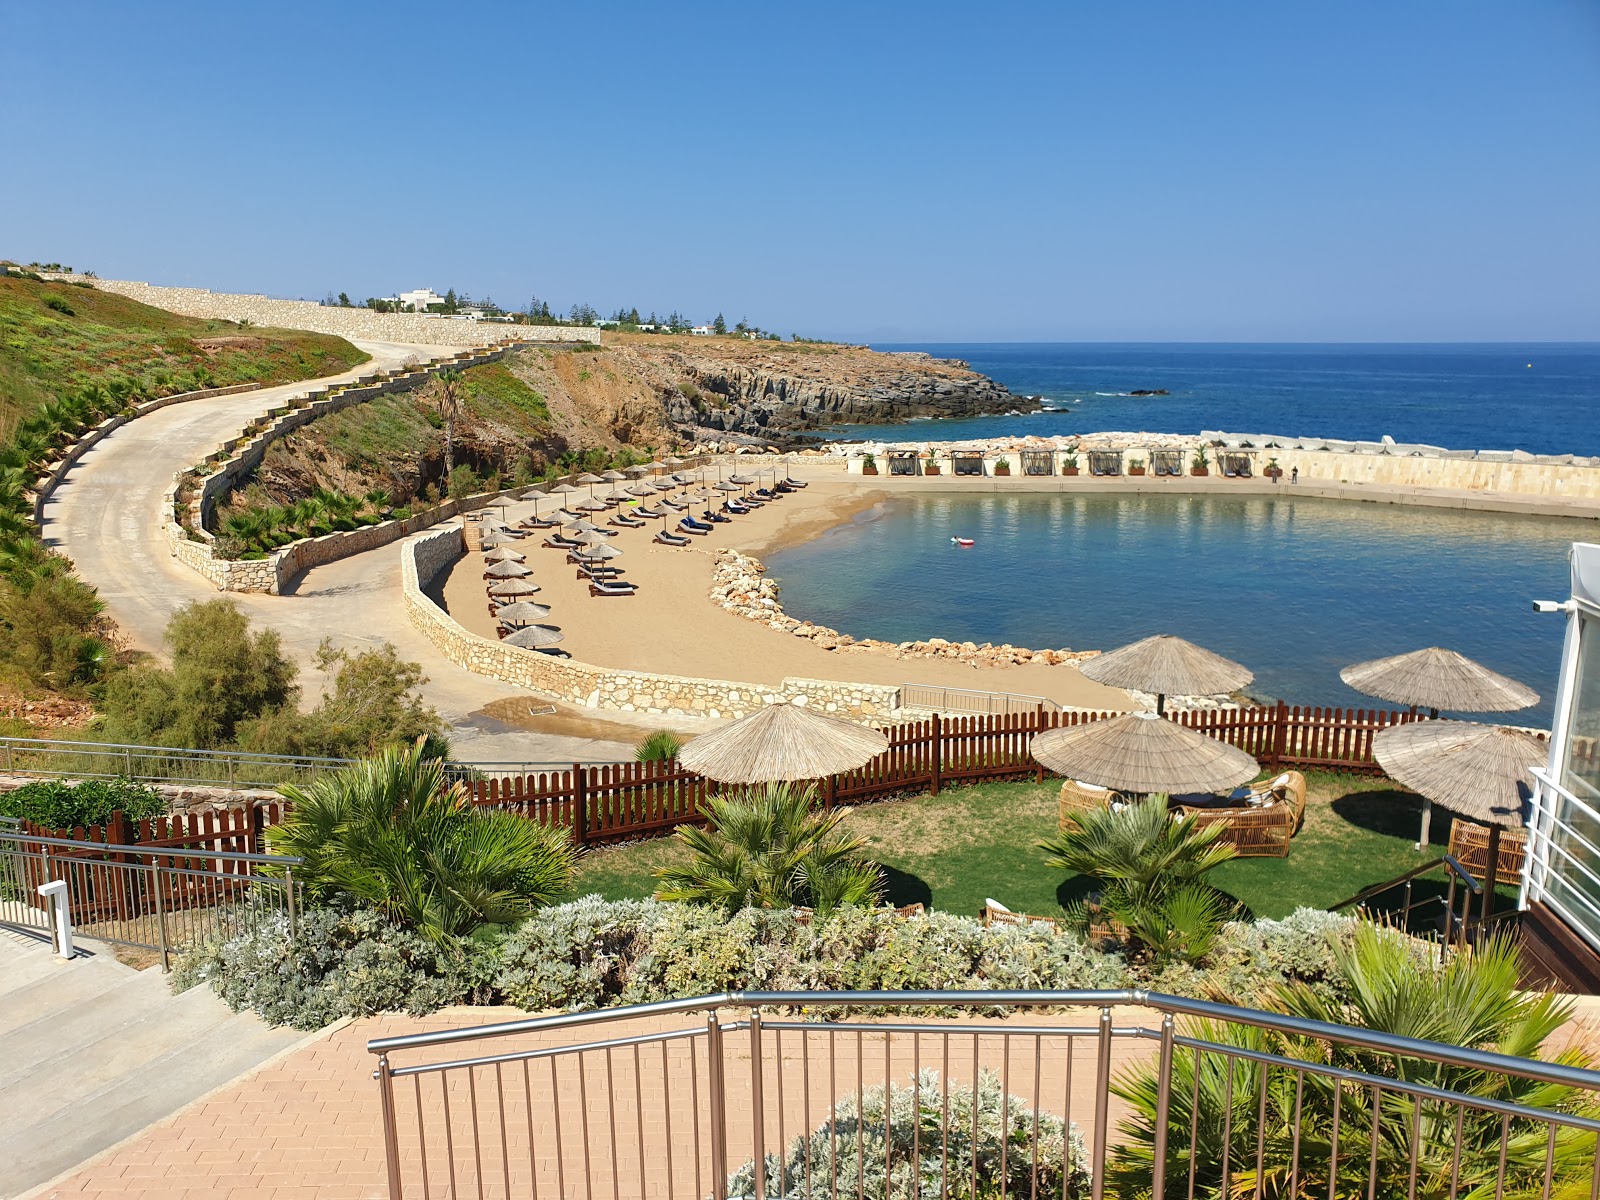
1293 589
1544 398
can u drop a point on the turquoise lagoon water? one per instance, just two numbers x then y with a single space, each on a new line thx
1295 590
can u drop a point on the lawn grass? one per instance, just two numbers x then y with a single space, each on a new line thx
954 850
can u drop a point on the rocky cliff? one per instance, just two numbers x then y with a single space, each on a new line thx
766 390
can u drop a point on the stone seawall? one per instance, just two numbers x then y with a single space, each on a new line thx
361 323
425 558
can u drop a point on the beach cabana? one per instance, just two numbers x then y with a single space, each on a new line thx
1438 680
1167 666
1166 462
782 742
966 462
1038 462
1235 464
902 462
1105 462
1481 772
1141 753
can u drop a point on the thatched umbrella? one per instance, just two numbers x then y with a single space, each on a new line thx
1166 665
641 489
586 477
534 637
1436 679
599 552
674 461
725 486
637 471
782 742
613 476
511 588
523 612
565 489
491 541
507 570
1143 752
505 554
591 506
1482 772
653 465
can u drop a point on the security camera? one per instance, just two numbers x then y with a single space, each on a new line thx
1552 606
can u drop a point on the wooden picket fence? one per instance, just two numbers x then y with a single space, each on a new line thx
621 802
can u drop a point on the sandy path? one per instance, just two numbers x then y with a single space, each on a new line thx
672 627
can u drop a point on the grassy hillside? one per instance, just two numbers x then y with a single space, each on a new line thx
55 338
69 357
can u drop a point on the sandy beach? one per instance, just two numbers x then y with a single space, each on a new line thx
672 626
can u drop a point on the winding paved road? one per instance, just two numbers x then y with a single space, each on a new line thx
106 516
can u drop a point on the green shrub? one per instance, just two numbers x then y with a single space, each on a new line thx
59 305
661 746
342 962
939 1136
60 804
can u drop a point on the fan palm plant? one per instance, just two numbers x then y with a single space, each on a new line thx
392 833
446 393
1151 869
1227 1113
770 848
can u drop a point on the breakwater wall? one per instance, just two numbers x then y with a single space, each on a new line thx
360 323
425 558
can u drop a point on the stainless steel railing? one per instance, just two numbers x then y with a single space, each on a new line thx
964 701
157 764
157 899
685 1098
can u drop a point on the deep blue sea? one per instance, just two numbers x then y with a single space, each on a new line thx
1295 590
1544 398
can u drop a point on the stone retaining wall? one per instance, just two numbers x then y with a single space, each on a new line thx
192 542
424 559
360 323
57 471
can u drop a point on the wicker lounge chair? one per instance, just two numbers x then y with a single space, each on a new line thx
1075 797
1469 846
1263 826
995 913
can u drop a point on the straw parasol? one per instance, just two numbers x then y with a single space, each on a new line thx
653 465
782 742
674 461
565 489
725 486
1438 679
491 541
591 506
641 489
523 611
599 552
507 570
637 471
510 588
1143 752
1481 772
587 478
505 554
534 637
612 475
1166 665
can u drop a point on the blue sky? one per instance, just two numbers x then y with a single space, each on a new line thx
1069 171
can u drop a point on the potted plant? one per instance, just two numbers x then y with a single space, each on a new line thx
869 465
1069 464
1002 466
1273 471
1200 464
1136 466
930 465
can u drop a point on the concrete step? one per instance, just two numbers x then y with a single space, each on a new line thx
21 964
58 987
122 1106
90 1023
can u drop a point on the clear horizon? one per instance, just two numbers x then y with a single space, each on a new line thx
1150 174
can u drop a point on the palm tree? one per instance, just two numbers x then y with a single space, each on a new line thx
1151 869
1240 1112
445 394
391 833
771 849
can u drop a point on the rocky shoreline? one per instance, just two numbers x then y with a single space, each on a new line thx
739 584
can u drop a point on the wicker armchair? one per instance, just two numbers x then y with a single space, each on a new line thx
1253 832
995 913
1076 797
1469 846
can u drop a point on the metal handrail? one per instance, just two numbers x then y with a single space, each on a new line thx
1378 889
284 860
64 745
1365 1039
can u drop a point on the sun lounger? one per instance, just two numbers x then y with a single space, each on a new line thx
673 505
708 515
608 588
737 509
667 538
794 483
626 522
588 572
556 542
690 525
540 523
651 513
